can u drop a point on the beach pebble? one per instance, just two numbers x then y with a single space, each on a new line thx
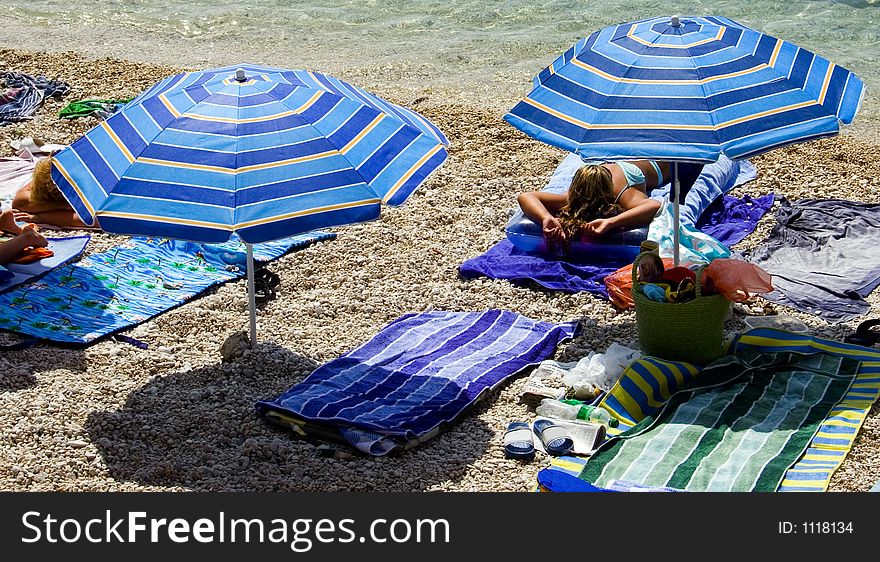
234 346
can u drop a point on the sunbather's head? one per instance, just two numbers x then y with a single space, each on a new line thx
43 189
590 197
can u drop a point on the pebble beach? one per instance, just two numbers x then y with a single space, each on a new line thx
177 417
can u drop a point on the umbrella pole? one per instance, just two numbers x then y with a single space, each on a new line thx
675 233
252 298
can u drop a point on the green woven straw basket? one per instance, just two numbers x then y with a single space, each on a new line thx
691 331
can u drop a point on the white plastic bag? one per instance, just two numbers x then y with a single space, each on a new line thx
602 370
617 359
578 378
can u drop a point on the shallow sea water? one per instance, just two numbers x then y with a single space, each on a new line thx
483 49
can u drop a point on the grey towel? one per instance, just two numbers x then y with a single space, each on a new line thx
824 256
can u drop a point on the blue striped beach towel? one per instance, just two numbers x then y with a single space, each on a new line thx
419 373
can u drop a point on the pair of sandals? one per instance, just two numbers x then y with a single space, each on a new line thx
266 284
518 443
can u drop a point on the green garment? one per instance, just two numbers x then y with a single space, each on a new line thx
87 107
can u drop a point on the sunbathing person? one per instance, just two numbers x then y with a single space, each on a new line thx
40 201
600 199
23 238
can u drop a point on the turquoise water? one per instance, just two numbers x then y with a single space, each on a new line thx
485 48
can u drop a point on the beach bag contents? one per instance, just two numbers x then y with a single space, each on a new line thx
685 323
736 279
619 285
650 269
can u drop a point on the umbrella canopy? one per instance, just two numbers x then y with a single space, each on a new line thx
261 152
685 89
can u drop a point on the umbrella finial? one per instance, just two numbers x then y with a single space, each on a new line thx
239 75
676 21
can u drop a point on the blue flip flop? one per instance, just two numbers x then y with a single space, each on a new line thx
555 438
518 441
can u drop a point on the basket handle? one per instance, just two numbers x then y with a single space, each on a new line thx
635 274
635 269
698 282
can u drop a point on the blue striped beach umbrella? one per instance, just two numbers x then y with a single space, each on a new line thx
261 152
685 89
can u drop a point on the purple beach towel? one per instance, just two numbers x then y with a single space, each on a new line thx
419 373
506 261
729 220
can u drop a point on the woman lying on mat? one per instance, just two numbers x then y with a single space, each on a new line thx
40 201
602 198
22 238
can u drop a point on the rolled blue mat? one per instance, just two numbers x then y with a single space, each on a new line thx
554 480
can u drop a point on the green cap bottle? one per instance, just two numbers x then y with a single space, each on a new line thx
593 414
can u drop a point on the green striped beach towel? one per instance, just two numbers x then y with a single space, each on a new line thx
836 435
780 413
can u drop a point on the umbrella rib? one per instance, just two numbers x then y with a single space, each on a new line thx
709 111
147 142
338 149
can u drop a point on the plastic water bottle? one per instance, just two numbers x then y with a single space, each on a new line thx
556 409
593 414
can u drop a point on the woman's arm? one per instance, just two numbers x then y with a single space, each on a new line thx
640 215
538 205
64 218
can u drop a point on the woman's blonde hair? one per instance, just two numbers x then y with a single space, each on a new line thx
590 197
43 189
